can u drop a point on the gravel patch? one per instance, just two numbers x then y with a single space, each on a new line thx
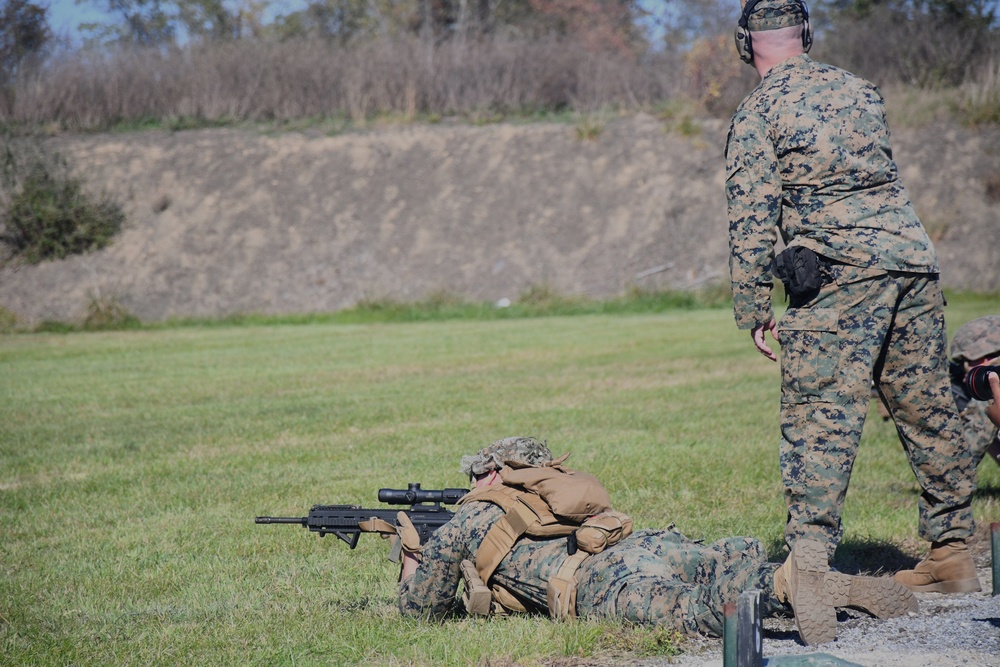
948 631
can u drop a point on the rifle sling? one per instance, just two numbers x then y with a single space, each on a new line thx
376 525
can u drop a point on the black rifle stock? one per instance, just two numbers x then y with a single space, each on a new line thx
345 521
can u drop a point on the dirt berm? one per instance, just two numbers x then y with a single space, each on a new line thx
225 221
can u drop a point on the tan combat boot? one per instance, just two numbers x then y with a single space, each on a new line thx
800 582
882 597
948 568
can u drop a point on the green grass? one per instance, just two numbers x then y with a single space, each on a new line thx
132 464
536 301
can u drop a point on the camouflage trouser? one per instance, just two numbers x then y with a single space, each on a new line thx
864 326
661 578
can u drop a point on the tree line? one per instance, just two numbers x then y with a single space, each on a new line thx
365 57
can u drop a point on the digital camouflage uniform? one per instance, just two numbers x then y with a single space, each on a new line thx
975 340
808 157
654 577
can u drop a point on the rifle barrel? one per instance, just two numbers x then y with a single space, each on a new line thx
282 519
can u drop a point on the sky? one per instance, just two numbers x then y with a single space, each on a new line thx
66 15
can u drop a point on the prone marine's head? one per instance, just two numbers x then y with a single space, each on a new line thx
520 449
977 341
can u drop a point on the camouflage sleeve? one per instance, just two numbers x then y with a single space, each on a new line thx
753 195
431 591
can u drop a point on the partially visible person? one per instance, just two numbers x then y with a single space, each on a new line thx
655 577
808 158
977 343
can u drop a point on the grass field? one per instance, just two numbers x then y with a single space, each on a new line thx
132 464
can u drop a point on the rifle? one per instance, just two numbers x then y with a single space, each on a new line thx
348 521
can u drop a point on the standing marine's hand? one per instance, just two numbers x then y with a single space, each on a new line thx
761 343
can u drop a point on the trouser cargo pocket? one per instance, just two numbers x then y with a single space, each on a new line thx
810 355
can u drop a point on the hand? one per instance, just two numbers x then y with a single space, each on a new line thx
408 536
993 412
410 541
760 343
410 565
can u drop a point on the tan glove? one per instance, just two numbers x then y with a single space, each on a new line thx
409 539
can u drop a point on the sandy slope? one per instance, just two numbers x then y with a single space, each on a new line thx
232 221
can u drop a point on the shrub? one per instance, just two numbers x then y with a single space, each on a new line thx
105 313
979 101
45 210
589 129
8 320
716 80
991 185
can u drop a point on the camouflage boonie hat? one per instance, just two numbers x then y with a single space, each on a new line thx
977 339
493 456
774 14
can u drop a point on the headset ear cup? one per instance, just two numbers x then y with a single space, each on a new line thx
743 44
807 36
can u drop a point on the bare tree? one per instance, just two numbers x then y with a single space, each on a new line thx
24 33
918 42
138 22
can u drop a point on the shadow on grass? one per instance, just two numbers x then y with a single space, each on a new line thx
988 492
862 556
871 557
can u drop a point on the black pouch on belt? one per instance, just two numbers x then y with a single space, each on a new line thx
802 272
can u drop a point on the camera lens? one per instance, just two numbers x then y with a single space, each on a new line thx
977 382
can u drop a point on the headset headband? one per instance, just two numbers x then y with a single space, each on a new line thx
752 5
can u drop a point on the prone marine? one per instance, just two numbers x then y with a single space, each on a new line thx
656 577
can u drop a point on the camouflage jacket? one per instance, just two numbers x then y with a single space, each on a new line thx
525 572
808 156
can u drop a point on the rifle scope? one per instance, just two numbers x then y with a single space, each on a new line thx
414 495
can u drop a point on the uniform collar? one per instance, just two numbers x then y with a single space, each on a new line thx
795 62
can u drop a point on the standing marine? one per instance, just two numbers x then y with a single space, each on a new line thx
809 161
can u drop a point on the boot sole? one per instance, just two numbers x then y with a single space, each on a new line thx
815 616
959 586
881 597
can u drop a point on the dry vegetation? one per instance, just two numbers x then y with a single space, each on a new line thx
486 78
284 81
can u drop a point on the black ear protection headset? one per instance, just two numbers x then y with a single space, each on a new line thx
744 46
